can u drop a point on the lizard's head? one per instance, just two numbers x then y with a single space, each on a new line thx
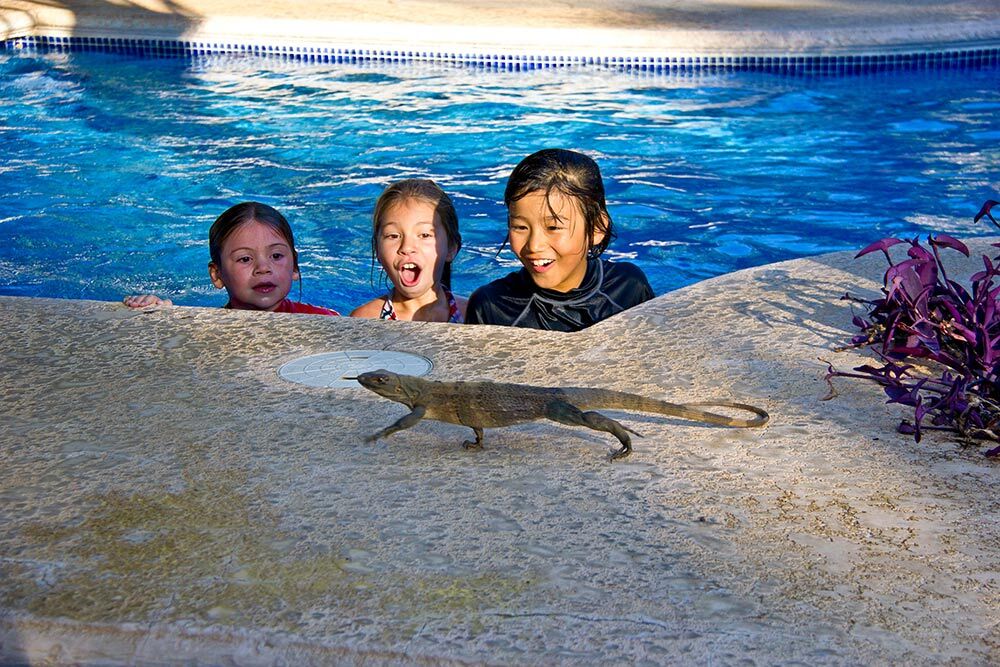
384 383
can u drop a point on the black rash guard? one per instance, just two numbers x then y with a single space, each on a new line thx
515 300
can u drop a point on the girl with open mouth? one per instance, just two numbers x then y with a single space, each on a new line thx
415 238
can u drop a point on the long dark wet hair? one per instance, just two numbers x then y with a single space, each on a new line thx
572 174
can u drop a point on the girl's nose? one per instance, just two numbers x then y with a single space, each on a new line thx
406 246
534 242
262 266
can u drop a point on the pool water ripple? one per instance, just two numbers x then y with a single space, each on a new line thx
113 167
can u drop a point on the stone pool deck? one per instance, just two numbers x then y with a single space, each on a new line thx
583 27
168 499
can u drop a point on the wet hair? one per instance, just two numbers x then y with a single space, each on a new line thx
422 189
240 214
573 174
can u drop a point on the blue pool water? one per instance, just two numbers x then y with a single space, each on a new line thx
113 167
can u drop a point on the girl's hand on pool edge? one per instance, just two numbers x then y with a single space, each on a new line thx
146 301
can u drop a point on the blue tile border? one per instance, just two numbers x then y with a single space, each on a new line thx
950 58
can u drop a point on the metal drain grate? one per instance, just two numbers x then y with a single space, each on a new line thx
330 368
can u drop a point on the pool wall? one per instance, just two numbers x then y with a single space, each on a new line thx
848 38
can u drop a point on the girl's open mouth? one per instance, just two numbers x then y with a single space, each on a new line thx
540 265
264 288
409 274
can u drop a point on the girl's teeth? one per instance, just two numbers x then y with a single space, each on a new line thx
409 274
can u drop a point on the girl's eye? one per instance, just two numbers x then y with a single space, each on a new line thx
427 235
244 259
277 256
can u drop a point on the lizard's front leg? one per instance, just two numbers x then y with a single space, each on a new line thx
566 413
403 422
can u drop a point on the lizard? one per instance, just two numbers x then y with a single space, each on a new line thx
488 404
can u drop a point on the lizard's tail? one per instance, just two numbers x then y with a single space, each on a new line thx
599 398
761 419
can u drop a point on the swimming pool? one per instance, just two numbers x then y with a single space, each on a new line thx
113 167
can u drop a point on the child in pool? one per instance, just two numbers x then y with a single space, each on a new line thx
415 237
253 257
558 225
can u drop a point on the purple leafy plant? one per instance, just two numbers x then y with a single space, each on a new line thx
937 344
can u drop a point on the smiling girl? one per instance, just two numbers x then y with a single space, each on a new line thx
558 225
415 237
253 257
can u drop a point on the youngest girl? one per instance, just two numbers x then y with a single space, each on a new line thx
415 238
558 225
253 257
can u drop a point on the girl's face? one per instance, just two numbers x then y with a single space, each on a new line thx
553 248
413 248
257 267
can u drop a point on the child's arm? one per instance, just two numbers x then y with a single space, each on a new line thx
371 309
145 301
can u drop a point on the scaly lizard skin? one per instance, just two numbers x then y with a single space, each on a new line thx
487 404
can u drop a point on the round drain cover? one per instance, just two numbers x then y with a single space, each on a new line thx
331 368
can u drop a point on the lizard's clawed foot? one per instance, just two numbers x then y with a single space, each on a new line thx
472 444
620 453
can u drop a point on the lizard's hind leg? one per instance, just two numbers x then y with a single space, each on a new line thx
478 444
569 414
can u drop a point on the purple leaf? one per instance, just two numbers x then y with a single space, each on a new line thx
962 331
991 270
882 245
907 428
959 291
903 275
985 210
919 253
899 395
946 241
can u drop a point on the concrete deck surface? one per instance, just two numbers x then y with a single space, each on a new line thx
587 27
167 499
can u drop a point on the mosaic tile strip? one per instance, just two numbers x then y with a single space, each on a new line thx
988 56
